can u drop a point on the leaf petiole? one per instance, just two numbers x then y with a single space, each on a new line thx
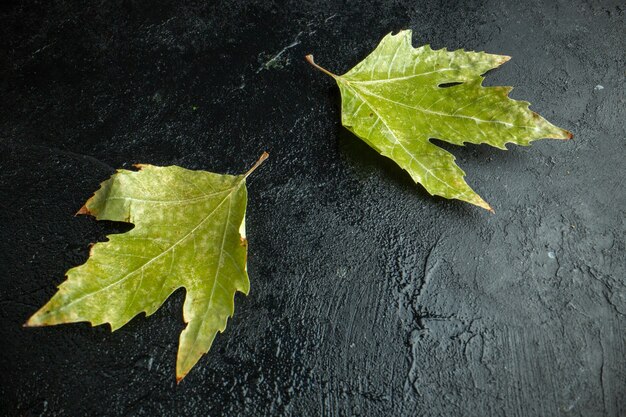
311 61
258 163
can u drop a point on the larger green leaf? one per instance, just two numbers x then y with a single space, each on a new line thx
189 232
395 101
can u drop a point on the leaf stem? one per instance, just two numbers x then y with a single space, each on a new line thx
263 157
311 61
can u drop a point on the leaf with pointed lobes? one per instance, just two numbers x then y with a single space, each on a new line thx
399 97
189 233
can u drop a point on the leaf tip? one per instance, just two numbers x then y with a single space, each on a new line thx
502 59
562 134
34 321
483 204
141 166
486 206
83 210
181 372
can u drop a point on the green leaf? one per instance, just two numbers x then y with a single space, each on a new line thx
394 100
189 232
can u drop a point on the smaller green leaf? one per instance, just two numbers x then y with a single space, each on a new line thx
400 97
189 233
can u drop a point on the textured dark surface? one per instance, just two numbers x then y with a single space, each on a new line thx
368 296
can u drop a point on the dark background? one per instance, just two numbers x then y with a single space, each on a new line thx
369 297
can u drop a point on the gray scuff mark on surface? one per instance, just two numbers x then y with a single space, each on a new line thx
331 17
278 60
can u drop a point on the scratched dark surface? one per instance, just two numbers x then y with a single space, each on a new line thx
368 296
